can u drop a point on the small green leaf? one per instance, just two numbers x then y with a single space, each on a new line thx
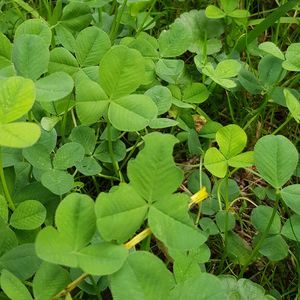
169 221
28 215
292 56
38 156
30 56
54 87
120 213
13 287
85 136
88 166
215 162
274 247
260 217
271 48
221 217
68 155
272 161
122 71
58 182
291 228
195 93
242 160
19 135
227 68
143 276
169 69
102 151
293 104
162 97
214 12
291 197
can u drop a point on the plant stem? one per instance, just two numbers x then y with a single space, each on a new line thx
263 237
116 22
288 119
145 19
9 200
27 8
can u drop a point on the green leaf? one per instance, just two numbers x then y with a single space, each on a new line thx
36 27
19 135
76 16
120 213
229 5
260 217
143 276
175 41
8 239
21 261
239 14
169 69
6 48
56 277
61 60
293 104
30 56
203 287
38 156
88 166
132 112
122 71
54 87
271 48
68 155
65 37
13 287
215 162
169 221
221 217
249 81
242 160
17 96
276 159
3 209
292 56
102 151
28 215
274 248
227 68
162 123
214 12
91 101
153 173
195 93
85 136
91 44
291 197
162 97
58 182
291 228
231 139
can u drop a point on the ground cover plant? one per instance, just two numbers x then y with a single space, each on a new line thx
149 149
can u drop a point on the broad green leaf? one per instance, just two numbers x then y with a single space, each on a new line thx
291 228
204 286
169 69
195 93
120 213
169 221
19 135
102 151
17 96
58 182
271 48
38 156
65 37
21 261
57 278
30 56
274 248
214 12
249 81
8 239
292 56
28 215
221 217
260 217
54 87
61 60
91 44
291 197
153 173
36 27
85 136
122 71
242 160
102 259
229 5
174 41
162 97
143 276
91 101
13 287
76 16
132 112
293 104
162 123
276 159
215 162
68 155
88 166
239 14
6 47
145 46
227 68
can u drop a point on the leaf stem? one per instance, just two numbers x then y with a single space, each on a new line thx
263 237
9 200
